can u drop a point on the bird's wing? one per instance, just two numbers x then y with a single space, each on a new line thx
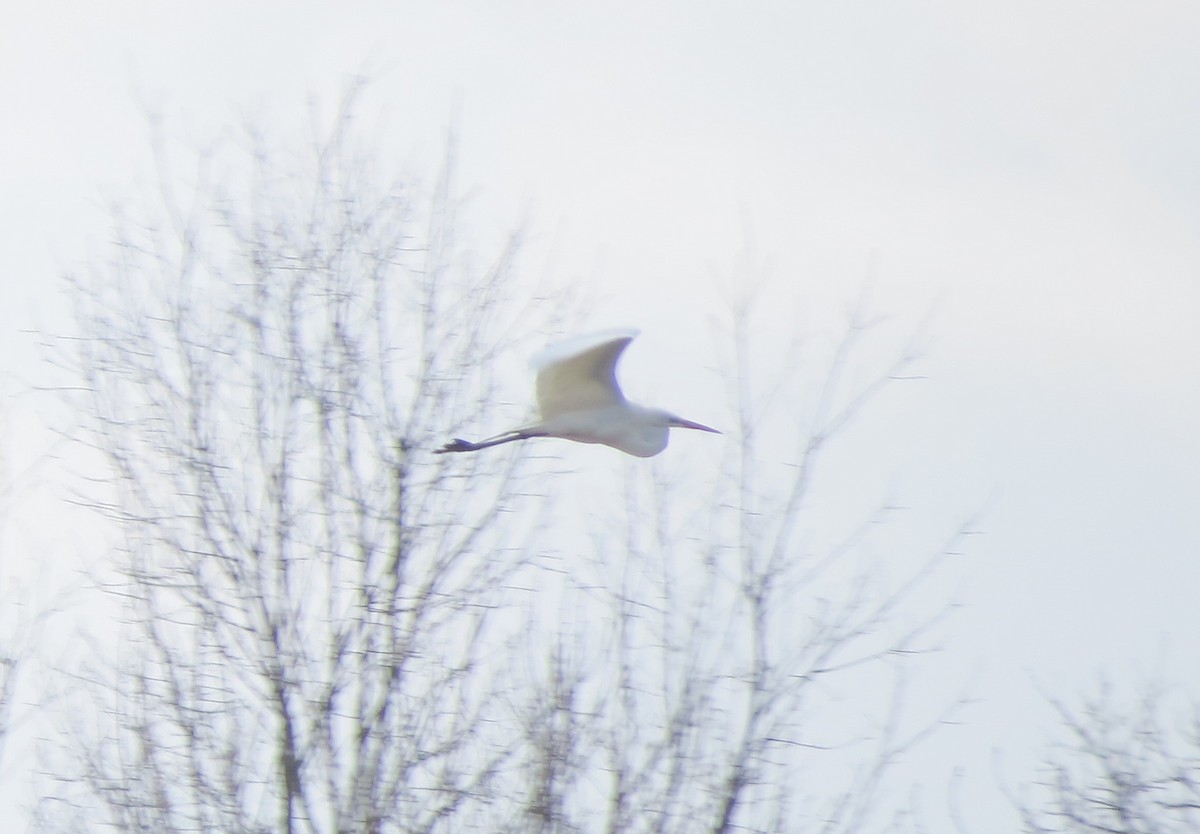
580 374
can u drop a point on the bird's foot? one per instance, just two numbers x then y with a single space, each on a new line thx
456 445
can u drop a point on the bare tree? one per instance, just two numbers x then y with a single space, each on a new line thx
701 674
1131 769
15 626
325 630
31 596
307 602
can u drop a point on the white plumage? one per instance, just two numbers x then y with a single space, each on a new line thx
579 399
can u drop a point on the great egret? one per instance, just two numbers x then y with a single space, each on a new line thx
579 399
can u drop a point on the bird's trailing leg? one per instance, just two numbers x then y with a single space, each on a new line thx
456 445
460 445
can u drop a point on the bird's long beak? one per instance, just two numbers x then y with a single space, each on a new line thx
680 423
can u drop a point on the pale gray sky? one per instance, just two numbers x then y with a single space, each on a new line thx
1028 169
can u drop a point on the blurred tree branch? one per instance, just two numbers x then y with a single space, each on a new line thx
1123 770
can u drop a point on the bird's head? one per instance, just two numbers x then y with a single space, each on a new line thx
644 431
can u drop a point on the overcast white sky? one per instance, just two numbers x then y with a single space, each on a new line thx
1029 169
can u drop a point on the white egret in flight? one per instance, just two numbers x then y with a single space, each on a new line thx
579 399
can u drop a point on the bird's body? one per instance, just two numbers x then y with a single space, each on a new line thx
579 399
634 429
